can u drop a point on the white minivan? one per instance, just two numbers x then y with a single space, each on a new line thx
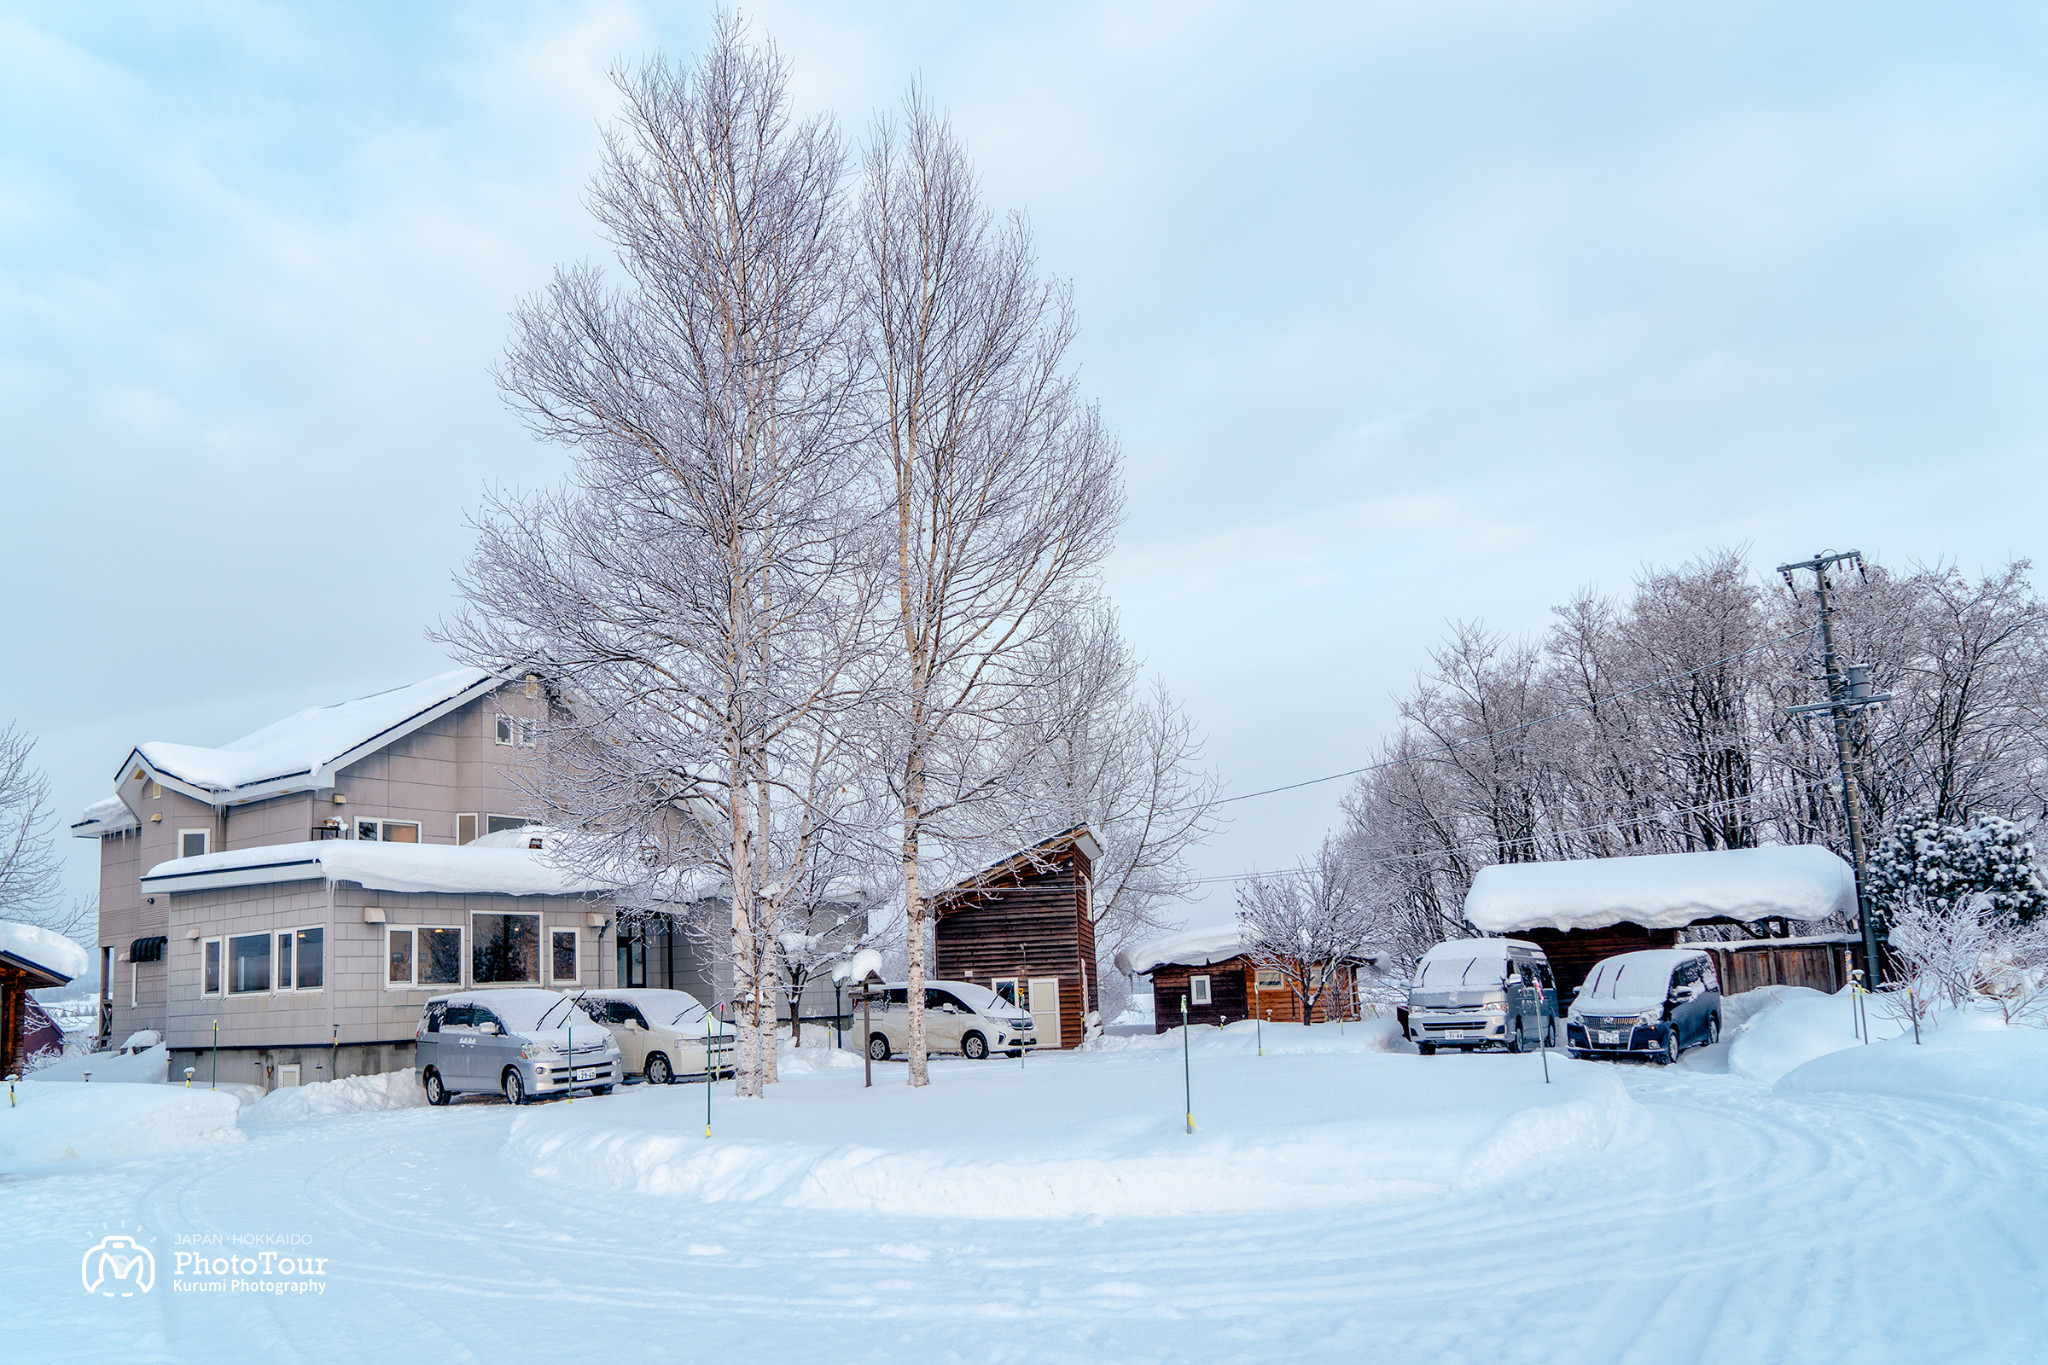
662 1034
959 1016
1476 993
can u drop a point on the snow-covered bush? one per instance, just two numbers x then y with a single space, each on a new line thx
1990 858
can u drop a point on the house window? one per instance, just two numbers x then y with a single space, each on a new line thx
301 959
465 828
1269 979
192 843
1198 990
389 831
498 824
504 948
209 967
423 957
517 730
248 964
563 968
1006 987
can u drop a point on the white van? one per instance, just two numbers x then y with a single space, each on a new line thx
1482 992
959 1016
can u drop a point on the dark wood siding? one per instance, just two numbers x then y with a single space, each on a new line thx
1233 989
1023 924
1573 953
1822 966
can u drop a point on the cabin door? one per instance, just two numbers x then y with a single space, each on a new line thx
1045 1009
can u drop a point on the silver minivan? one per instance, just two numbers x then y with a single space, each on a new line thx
521 1042
959 1016
1476 993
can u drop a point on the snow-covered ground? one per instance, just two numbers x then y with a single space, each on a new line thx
1340 1198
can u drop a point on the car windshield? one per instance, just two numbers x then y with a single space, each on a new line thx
1617 977
532 1011
1445 973
980 999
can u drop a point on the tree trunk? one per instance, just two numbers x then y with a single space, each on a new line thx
913 908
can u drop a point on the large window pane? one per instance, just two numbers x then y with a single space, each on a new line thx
440 957
395 833
212 986
249 963
565 954
505 948
311 952
400 971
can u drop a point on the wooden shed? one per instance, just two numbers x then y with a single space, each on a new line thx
1584 910
1023 927
31 959
1822 963
1223 985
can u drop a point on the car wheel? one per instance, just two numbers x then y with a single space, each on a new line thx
1426 1049
1550 1034
1515 1038
1713 1029
975 1046
878 1048
515 1089
1016 1052
600 1090
1671 1047
658 1070
437 1093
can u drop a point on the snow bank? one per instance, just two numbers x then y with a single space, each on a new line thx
349 1095
1245 1038
40 947
1190 948
1785 1027
1662 890
1971 1058
149 1067
442 868
1320 1121
53 1122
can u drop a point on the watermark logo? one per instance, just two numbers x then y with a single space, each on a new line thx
118 1266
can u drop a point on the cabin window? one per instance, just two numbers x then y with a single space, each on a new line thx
1006 987
192 843
1198 990
1269 979
505 948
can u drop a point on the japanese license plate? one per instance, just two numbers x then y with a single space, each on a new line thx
1611 1037
586 1073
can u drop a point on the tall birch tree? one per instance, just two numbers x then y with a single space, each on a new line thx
1002 487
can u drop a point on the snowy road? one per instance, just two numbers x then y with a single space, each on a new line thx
1728 1223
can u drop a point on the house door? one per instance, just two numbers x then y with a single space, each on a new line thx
1045 1009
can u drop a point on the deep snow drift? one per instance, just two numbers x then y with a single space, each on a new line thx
57 1121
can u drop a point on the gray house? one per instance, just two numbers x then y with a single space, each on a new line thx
306 887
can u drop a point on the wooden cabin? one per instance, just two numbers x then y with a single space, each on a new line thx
1023 927
1209 969
31 959
1585 910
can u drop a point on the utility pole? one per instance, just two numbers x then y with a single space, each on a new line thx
1847 696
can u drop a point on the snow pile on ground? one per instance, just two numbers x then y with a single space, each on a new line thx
791 1060
1785 1027
1247 1037
349 1095
79 1122
1972 1057
149 1066
1320 1121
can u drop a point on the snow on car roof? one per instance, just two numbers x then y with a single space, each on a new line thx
523 1007
1643 973
1477 947
1662 890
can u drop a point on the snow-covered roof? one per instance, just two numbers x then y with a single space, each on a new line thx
110 816
442 868
1079 836
1189 948
1662 890
43 950
303 752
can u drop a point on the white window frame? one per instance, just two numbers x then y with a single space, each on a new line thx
542 945
221 968
512 822
475 827
1259 982
514 731
413 983
269 937
551 930
1199 992
205 842
356 828
277 986
1016 986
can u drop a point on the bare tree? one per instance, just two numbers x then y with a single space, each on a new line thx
1307 922
29 869
699 594
1003 490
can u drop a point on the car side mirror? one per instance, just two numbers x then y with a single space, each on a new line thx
486 1028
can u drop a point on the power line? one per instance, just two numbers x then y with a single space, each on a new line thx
1494 734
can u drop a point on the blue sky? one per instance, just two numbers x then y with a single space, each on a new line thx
1403 313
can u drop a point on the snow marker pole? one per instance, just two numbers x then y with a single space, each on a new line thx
216 1055
1913 1007
1259 1025
570 1029
710 1074
1187 1073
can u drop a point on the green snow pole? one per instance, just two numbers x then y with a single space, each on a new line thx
216 1055
570 1029
1187 1073
710 1073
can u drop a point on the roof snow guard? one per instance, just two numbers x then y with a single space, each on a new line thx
431 868
302 752
1662 890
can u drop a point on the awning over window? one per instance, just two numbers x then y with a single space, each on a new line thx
147 949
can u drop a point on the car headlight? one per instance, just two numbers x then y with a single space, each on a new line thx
1649 1019
535 1052
1495 1006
